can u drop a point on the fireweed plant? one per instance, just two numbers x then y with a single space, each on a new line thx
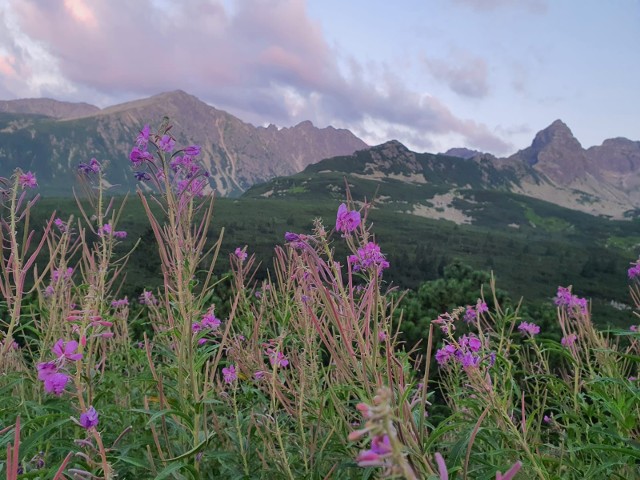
304 378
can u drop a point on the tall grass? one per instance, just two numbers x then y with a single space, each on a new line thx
305 378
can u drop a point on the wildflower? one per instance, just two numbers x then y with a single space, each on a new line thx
376 455
575 304
142 176
634 271
347 220
192 150
546 419
89 419
382 336
367 257
65 350
530 329
143 137
106 229
633 328
259 375
445 353
277 358
241 254
54 381
120 234
88 168
568 340
56 275
210 321
468 359
147 298
481 307
471 342
166 143
27 180
295 240
229 374
60 224
470 315
138 157
123 302
49 291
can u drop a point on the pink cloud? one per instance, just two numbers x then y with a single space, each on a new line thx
263 60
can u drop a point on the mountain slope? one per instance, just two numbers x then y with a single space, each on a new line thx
236 153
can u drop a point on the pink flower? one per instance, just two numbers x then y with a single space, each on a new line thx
28 180
277 358
530 329
633 328
368 256
65 350
376 455
89 419
241 254
445 353
166 143
347 220
143 137
210 321
634 271
60 224
56 383
229 374
192 150
569 340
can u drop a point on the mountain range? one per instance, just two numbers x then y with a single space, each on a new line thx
52 137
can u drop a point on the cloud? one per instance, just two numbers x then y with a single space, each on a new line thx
462 73
263 60
534 6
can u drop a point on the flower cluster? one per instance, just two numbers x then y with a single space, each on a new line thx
368 257
464 351
575 305
229 374
241 253
147 298
52 373
208 324
187 176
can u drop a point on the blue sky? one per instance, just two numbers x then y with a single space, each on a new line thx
434 74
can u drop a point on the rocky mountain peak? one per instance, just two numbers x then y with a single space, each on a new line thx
557 134
462 152
48 107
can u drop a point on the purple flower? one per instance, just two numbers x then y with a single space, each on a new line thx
470 315
574 304
347 220
89 419
634 271
120 234
472 343
368 256
106 229
192 150
88 168
60 224
445 353
546 419
375 456
142 176
147 298
143 137
210 321
469 360
138 157
46 369
277 358
229 374
123 302
65 350
56 383
241 254
569 340
166 143
481 307
49 291
530 329
633 328
259 375
28 180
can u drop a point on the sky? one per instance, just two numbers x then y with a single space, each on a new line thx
433 74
